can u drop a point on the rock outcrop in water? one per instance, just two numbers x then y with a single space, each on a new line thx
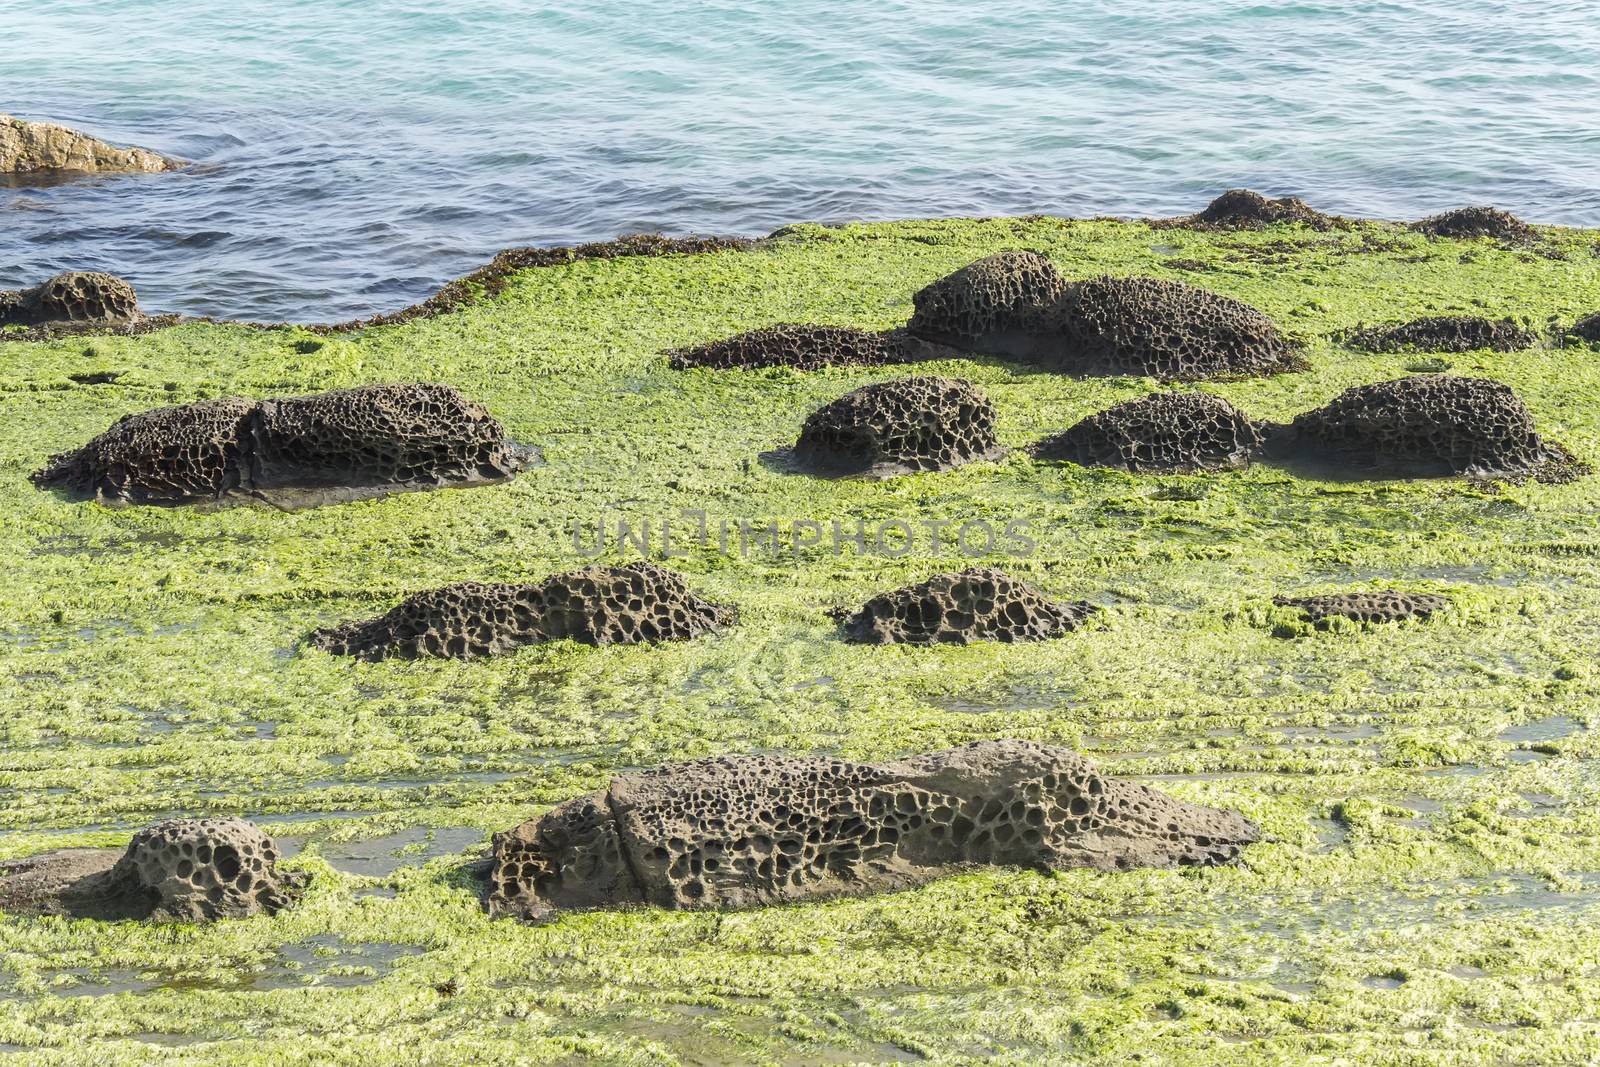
979 604
1161 433
900 426
797 345
1245 209
597 605
1380 606
740 831
1017 304
1429 425
183 869
1445 333
1477 222
74 296
44 148
308 449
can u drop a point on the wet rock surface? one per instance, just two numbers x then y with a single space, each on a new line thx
45 148
797 345
74 297
1017 304
1245 209
739 831
598 605
979 604
182 869
900 426
1165 432
1477 222
1445 333
1428 425
1382 606
295 450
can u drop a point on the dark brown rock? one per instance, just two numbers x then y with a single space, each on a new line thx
979 604
900 426
598 605
1161 433
314 449
1381 606
1477 222
796 345
183 869
740 831
82 297
1445 333
1244 209
1587 328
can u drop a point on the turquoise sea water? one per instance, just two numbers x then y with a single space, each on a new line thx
354 154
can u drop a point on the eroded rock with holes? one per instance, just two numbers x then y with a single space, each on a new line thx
978 604
296 450
1016 304
45 148
1161 433
74 296
740 831
597 605
1245 209
1429 425
1477 222
186 869
1445 333
1380 606
900 426
797 345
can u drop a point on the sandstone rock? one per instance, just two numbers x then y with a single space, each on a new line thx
1244 209
737 831
796 345
74 296
1161 433
41 147
1445 333
979 604
900 426
1477 222
1380 606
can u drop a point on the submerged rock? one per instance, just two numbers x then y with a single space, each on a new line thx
1161 433
1477 222
1431 425
900 426
1016 304
797 345
312 449
183 869
1244 209
738 831
42 147
74 296
598 605
979 604
1381 606
1445 333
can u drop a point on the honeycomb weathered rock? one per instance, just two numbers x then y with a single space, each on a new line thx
74 296
900 426
1477 222
1245 209
739 831
1380 606
979 604
1431 425
1164 432
797 345
1016 304
185 869
338 444
1445 333
596 605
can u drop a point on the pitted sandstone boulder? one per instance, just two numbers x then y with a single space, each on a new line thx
1161 433
43 147
1467 222
741 831
1016 304
797 345
74 296
1245 209
1445 333
315 449
1380 606
979 604
900 426
598 605
182 869
1431 425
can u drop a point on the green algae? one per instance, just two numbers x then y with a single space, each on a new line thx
1426 891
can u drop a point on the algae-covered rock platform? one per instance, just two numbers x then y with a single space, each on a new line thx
1426 786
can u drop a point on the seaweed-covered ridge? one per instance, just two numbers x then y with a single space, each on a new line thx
1245 209
1467 222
